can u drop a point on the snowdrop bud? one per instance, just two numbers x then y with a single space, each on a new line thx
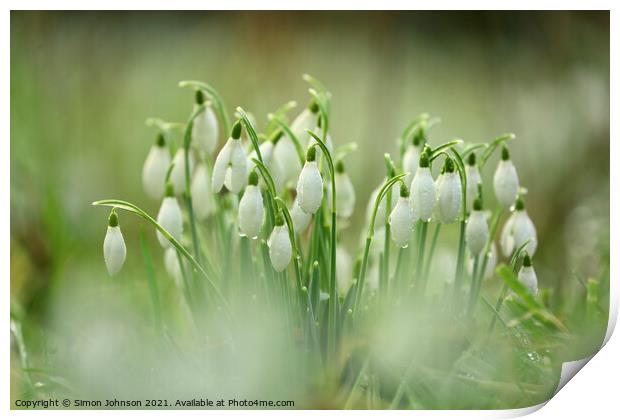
155 167
310 184
251 211
380 218
477 230
280 250
449 191
173 268
411 158
346 193
114 250
177 176
230 166
423 195
301 219
505 180
203 200
170 217
527 275
205 129
473 180
344 273
523 229
401 219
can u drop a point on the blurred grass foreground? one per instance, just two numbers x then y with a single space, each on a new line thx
84 83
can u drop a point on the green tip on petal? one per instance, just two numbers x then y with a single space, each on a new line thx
527 260
276 137
200 97
160 141
478 204
169 189
471 159
340 167
313 107
113 219
253 178
520 204
236 130
424 161
311 154
279 219
449 165
404 191
505 153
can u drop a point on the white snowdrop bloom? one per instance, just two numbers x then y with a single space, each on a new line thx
155 168
301 219
286 155
230 166
310 184
449 194
506 181
344 267
173 268
203 199
411 158
477 229
114 250
345 201
205 129
251 211
380 218
423 194
266 151
401 219
170 217
280 250
527 275
473 180
518 229
177 176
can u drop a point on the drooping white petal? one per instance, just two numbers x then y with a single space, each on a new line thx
310 188
114 250
401 222
177 176
221 166
449 200
344 270
173 268
527 277
423 194
506 183
286 155
280 250
301 219
251 212
523 229
205 131
411 158
171 219
203 200
154 171
476 232
236 177
473 180
345 195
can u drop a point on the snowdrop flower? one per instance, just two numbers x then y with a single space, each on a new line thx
177 176
230 166
280 250
449 194
344 267
301 219
518 229
423 195
310 184
251 211
346 193
266 152
477 230
155 168
114 250
203 200
173 268
505 180
380 218
401 219
205 129
412 157
473 180
169 217
527 275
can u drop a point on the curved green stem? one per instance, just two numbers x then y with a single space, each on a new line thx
251 131
492 146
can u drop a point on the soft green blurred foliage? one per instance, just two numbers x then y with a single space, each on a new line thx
83 84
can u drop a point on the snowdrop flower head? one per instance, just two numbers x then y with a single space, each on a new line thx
310 184
170 217
251 211
155 168
401 219
346 193
423 194
177 176
205 128
449 194
114 250
473 180
203 200
519 229
505 180
527 275
477 229
301 219
280 250
230 166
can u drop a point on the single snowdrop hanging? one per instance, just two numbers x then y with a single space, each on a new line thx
301 219
517 230
230 166
280 250
449 194
114 250
170 217
477 229
527 275
411 157
505 180
423 194
310 184
203 200
345 203
401 219
474 179
177 176
251 211
155 168
205 130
